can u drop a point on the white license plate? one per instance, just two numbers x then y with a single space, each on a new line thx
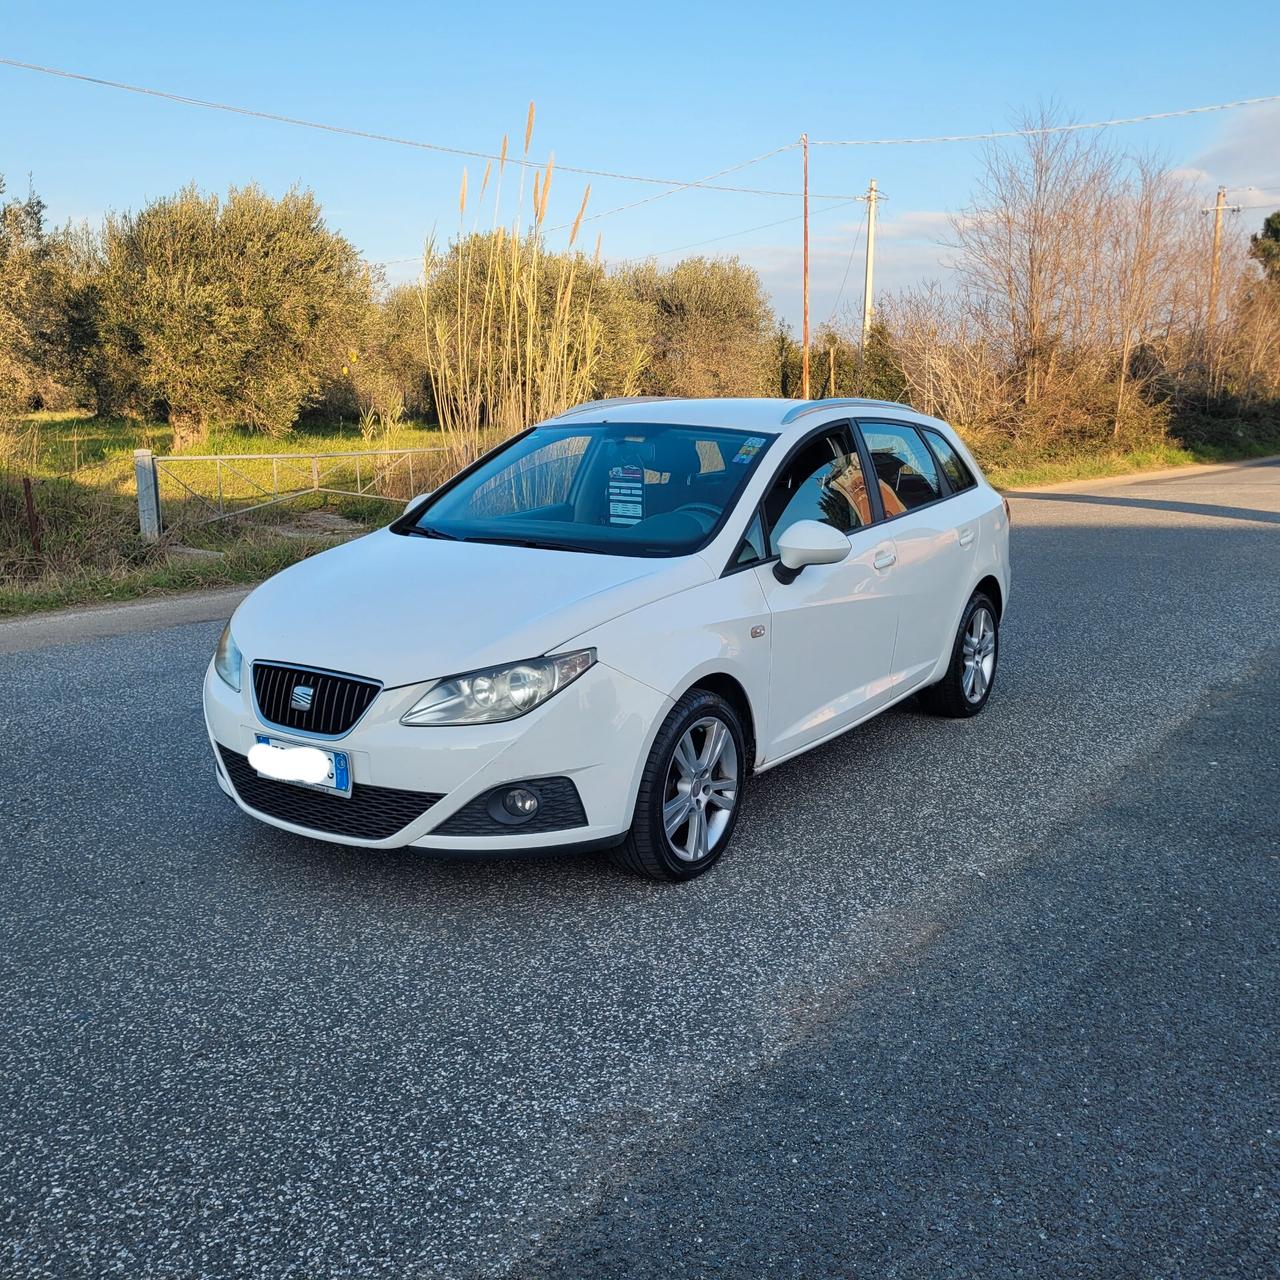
336 782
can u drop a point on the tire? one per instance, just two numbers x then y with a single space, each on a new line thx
971 674
701 748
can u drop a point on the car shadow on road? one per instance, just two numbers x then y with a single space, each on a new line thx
800 788
1152 504
897 782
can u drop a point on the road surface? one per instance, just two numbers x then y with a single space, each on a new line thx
985 998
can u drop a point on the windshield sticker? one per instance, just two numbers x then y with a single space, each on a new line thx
750 447
626 495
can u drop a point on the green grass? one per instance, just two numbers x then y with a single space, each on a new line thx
1096 466
69 441
243 565
83 473
83 469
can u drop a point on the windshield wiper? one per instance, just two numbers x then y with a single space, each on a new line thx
425 531
538 544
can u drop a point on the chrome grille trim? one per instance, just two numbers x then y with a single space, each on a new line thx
338 705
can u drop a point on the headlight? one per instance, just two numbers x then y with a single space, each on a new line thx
500 693
227 659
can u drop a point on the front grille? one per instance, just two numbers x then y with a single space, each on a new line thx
561 809
336 701
370 813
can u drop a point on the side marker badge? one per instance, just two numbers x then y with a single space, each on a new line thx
757 632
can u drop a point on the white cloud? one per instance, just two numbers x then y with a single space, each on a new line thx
911 246
1247 149
1245 158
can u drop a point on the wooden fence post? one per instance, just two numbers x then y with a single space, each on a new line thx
33 521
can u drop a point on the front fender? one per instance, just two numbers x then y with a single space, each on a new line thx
675 642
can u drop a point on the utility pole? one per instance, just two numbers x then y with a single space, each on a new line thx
804 359
872 198
1218 207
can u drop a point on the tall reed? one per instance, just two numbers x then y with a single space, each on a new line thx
513 334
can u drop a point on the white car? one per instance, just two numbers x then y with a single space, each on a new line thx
599 631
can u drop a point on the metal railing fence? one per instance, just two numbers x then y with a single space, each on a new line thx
222 486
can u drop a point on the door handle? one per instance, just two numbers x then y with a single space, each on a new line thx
885 559
966 537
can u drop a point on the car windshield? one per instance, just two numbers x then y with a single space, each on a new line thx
621 489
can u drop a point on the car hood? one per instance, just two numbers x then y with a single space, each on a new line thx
401 609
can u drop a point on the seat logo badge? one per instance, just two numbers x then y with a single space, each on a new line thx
300 698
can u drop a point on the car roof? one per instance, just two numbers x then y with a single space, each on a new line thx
774 415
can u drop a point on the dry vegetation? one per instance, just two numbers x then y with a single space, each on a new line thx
1079 321
1075 336
513 334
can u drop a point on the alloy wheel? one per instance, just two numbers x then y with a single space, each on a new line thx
701 789
979 654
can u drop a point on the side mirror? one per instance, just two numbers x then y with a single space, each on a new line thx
413 502
808 542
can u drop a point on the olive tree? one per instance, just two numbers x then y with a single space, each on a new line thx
235 310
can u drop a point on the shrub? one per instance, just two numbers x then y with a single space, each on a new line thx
707 326
231 311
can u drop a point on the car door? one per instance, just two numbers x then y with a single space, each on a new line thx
833 627
929 576
968 503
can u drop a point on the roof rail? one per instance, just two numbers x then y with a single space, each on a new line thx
588 405
850 402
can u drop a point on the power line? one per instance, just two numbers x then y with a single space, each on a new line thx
679 184
696 244
675 183
763 226
848 266
746 231
662 195
1056 128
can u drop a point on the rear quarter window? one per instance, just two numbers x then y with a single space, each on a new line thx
953 465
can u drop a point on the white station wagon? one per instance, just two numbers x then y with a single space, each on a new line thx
598 632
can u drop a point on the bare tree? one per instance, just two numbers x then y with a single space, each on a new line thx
1076 317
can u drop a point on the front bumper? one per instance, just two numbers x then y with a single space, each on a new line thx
597 733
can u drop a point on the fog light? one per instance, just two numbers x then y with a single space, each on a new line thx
520 802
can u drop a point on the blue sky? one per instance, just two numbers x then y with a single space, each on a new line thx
673 90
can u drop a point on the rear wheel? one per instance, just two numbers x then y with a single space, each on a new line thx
689 793
964 690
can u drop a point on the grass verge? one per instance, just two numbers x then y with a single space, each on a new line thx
245 564
83 474
1095 467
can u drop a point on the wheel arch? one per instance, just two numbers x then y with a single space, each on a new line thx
990 587
732 690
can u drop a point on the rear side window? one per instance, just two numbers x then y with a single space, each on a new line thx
907 474
952 464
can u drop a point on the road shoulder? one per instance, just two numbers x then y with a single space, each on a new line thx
96 622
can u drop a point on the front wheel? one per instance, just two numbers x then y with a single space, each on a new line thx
690 791
964 690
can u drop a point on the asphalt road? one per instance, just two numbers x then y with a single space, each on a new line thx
987 998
